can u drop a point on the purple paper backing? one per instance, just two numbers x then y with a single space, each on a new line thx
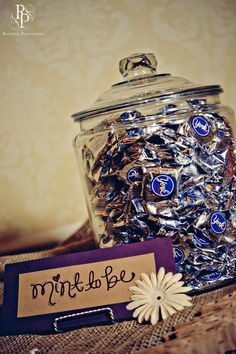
10 324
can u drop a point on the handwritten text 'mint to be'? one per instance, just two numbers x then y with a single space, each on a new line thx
71 289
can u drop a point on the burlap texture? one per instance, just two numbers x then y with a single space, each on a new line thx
125 337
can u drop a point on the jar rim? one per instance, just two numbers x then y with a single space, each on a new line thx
194 91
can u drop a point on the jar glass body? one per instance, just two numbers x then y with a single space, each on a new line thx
164 169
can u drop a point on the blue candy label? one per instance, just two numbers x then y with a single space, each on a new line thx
134 174
134 132
201 240
163 185
178 255
218 223
201 126
129 115
221 134
211 276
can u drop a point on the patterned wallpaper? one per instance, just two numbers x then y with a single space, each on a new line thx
68 55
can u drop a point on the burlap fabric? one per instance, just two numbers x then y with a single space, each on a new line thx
124 337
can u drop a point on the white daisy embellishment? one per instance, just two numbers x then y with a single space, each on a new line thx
158 296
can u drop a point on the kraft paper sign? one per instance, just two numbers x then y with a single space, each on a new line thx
38 292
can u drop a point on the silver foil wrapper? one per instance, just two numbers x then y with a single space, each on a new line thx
150 180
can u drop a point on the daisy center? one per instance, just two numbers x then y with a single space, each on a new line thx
159 296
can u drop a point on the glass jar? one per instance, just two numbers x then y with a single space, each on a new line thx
156 156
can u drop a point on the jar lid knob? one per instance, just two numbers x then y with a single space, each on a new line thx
139 64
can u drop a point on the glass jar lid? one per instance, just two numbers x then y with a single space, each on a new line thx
142 84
